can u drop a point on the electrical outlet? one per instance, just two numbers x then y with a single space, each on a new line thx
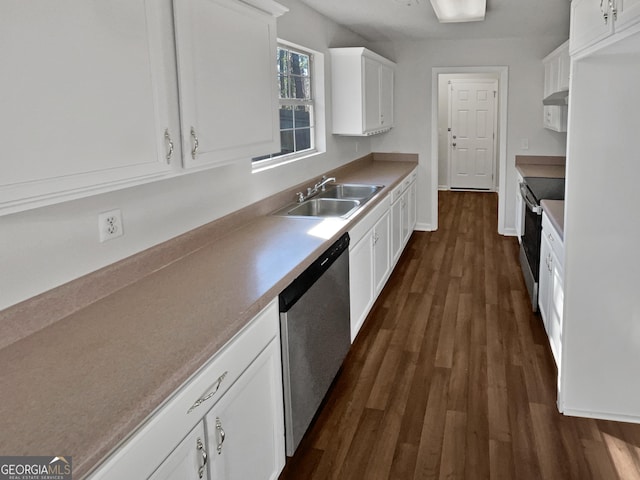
110 225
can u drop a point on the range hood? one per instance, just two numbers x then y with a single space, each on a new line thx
557 98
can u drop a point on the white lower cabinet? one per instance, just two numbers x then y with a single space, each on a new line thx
551 289
369 263
381 253
403 214
376 244
227 422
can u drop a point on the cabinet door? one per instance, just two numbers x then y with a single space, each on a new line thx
371 72
381 252
590 23
551 71
555 310
547 79
245 429
88 92
386 96
628 13
412 208
564 65
544 285
406 230
360 282
228 85
188 460
396 229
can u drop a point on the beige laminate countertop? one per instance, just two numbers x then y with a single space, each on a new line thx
555 212
79 386
541 166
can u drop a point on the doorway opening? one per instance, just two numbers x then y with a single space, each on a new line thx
491 176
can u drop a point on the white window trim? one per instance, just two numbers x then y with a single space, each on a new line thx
319 129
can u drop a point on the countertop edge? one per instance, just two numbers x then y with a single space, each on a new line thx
555 213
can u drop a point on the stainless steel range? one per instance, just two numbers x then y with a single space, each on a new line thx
533 190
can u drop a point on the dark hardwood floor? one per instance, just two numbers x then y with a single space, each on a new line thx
452 376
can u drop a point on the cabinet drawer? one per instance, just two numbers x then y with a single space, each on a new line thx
551 234
397 192
368 221
139 456
403 185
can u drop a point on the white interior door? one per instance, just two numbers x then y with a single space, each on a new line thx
472 133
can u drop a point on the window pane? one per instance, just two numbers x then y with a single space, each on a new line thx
301 88
286 117
299 64
282 61
283 85
302 116
303 139
286 141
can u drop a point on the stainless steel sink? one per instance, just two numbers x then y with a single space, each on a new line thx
351 191
324 207
338 200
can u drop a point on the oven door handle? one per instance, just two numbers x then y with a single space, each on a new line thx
529 200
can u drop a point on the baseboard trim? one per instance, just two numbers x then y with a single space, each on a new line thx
424 227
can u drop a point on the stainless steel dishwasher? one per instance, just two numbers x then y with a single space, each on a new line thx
315 336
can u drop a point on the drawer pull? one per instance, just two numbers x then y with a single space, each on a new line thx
201 400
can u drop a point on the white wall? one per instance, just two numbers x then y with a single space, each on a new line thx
415 60
47 247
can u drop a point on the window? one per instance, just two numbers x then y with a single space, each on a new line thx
297 104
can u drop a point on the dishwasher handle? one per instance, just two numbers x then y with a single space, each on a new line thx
529 200
303 282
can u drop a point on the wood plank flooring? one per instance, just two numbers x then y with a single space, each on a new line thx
452 376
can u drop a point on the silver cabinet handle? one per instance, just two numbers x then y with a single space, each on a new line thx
605 15
203 452
201 400
221 435
194 138
167 139
613 10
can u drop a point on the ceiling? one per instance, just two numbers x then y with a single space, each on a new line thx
382 20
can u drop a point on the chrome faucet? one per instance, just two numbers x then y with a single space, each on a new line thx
320 186
323 182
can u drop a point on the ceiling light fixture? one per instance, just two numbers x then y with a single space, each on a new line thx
452 11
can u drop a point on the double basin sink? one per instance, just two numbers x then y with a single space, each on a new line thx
338 200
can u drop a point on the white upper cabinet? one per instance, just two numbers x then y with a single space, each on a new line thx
88 98
362 90
556 79
227 77
593 22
